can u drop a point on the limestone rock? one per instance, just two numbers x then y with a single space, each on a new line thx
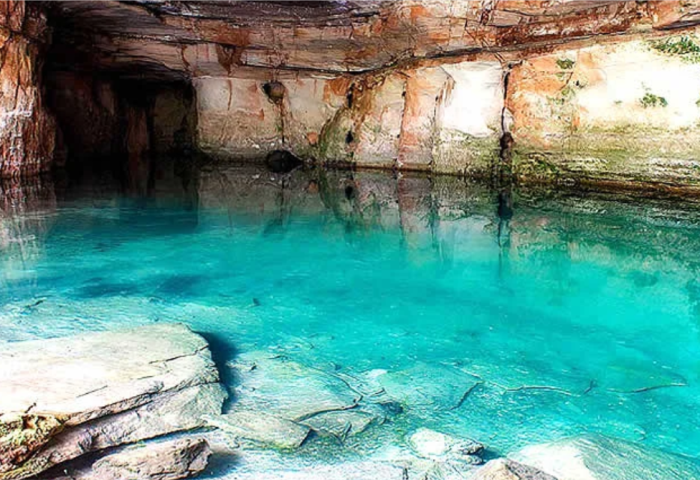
71 396
27 130
341 424
261 428
437 387
170 460
216 39
617 113
602 458
271 384
503 469
430 444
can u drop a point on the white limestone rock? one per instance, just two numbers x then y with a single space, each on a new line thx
597 457
95 391
170 460
261 429
430 444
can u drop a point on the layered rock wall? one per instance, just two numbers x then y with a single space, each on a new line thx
550 90
623 112
442 118
27 130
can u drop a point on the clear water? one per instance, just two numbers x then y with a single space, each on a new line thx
595 299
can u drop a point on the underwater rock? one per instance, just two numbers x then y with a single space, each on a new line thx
275 385
437 387
341 424
430 444
102 390
504 469
602 458
262 429
171 460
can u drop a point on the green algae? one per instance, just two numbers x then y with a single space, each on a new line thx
21 436
683 47
649 100
565 63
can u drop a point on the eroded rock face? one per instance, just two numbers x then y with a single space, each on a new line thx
216 38
439 118
91 392
27 130
623 112
170 460
603 458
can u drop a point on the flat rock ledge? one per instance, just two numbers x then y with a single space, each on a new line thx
171 460
68 397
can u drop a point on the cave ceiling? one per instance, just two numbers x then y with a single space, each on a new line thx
182 39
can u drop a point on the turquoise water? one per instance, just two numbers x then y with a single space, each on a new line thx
573 313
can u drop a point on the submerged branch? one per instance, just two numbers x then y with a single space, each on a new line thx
465 395
540 387
651 388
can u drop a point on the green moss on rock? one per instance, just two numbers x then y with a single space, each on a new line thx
22 435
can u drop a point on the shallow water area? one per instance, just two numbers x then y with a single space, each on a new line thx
511 318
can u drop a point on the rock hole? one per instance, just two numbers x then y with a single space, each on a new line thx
281 161
349 192
350 97
274 91
349 138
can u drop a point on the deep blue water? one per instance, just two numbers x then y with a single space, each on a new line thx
593 301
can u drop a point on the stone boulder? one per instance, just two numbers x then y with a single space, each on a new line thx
63 398
434 445
171 460
504 469
596 457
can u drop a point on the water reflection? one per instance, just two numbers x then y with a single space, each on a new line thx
591 294
26 208
433 214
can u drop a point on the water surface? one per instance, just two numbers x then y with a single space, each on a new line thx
573 313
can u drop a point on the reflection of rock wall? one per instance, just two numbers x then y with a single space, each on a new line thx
25 209
439 216
27 131
443 118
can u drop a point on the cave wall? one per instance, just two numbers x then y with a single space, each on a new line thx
550 90
626 112
119 126
27 129
438 117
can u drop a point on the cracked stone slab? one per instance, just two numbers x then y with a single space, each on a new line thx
170 460
63 398
273 384
261 429
341 424
93 375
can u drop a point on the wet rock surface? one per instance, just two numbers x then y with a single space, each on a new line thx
504 469
169 460
603 458
91 392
